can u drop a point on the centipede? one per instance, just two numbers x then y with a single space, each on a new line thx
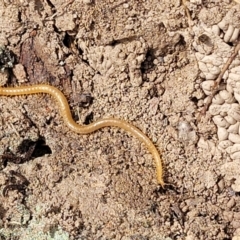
65 112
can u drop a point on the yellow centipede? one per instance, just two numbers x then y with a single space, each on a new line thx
106 122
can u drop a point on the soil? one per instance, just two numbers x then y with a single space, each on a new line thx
132 60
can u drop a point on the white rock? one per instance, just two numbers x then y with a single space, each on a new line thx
225 144
235 138
217 99
236 234
234 128
234 76
229 88
228 33
203 144
237 97
225 75
222 134
231 82
235 35
199 55
203 67
226 107
223 25
235 155
216 30
236 90
235 111
223 114
207 86
215 109
234 148
236 70
230 120
215 70
221 122
87 1
227 96
202 75
213 59
210 76
236 188
237 86
236 63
